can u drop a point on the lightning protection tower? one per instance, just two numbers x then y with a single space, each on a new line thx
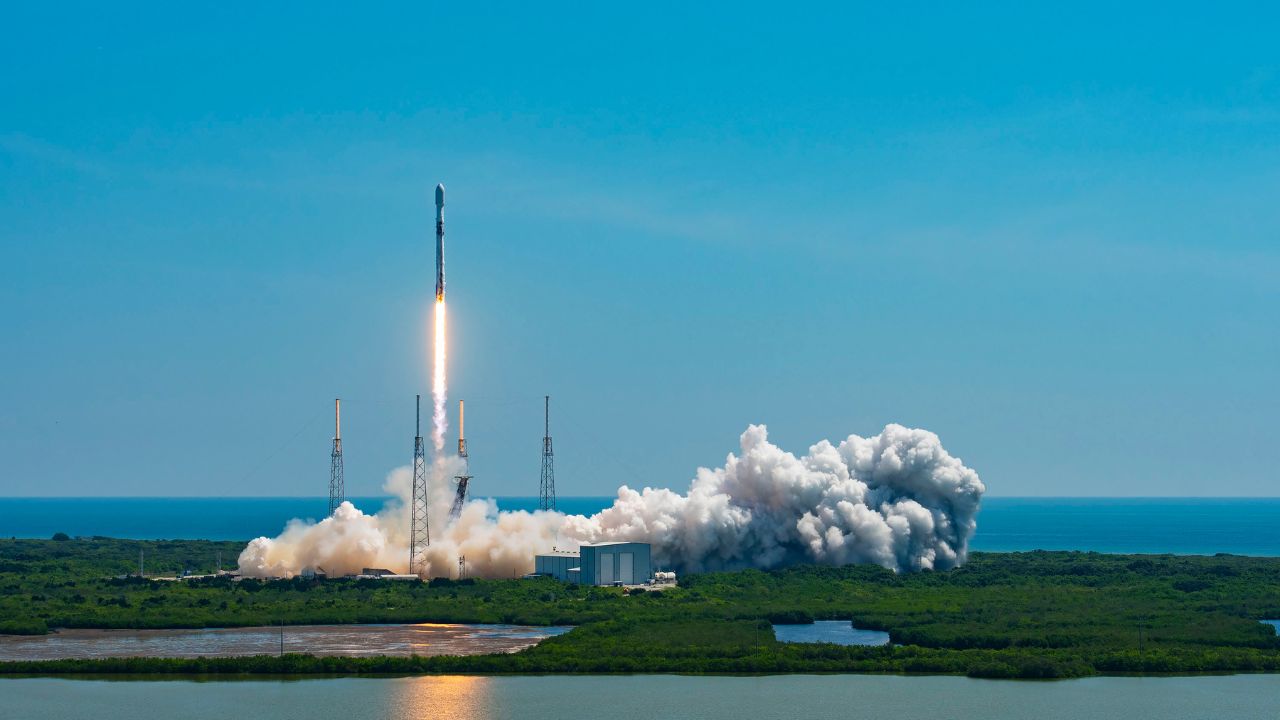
547 486
336 490
419 530
460 497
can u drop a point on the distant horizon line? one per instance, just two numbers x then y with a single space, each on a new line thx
597 497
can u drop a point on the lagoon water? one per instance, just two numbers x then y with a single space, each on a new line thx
840 632
1240 697
1242 526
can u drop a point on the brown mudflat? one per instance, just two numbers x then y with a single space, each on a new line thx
348 640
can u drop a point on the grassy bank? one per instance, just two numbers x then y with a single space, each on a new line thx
1002 615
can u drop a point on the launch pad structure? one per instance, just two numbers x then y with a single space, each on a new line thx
460 496
419 527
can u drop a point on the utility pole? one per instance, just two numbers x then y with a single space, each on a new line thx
547 484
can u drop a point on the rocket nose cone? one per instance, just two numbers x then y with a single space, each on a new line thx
440 195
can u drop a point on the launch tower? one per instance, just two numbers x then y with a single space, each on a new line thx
547 486
336 490
419 529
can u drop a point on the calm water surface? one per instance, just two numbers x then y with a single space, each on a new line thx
1242 526
643 697
351 640
840 632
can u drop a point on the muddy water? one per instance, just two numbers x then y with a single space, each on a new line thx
352 640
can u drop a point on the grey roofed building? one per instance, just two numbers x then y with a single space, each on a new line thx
557 564
613 563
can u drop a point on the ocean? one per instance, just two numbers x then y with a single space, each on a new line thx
1241 526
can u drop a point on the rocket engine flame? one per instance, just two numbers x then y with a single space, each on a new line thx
439 384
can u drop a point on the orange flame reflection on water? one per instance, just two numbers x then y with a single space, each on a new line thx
457 697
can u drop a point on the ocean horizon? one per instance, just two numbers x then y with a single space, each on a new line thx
1186 526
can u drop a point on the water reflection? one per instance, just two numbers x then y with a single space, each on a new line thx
456 697
644 697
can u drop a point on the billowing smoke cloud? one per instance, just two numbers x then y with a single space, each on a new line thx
897 499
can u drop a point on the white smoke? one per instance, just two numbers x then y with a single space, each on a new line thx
897 500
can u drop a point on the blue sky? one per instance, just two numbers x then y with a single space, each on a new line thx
1050 236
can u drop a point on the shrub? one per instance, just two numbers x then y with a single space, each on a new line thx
791 617
25 626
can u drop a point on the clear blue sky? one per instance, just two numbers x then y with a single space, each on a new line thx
1050 236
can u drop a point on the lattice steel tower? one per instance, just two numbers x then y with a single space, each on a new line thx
336 490
460 498
419 529
547 487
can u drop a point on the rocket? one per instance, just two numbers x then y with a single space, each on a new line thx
440 243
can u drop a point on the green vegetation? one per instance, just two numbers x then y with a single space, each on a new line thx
1034 615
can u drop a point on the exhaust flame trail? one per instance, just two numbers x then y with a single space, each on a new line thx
439 384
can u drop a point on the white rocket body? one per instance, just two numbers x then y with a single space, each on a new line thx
440 243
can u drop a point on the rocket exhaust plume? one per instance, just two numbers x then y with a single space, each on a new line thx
896 499
439 387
